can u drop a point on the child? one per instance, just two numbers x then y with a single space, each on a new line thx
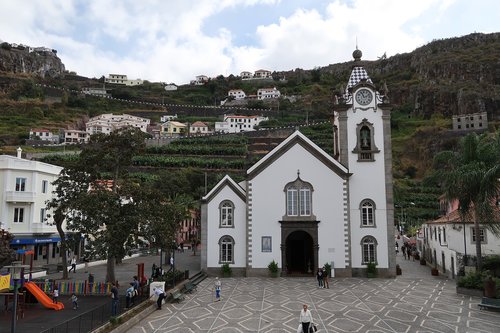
55 294
74 300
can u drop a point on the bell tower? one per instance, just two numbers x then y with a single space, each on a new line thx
363 138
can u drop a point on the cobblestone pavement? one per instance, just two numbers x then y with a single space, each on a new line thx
413 302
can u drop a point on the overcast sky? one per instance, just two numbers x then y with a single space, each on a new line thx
175 40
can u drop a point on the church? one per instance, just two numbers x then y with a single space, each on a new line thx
303 208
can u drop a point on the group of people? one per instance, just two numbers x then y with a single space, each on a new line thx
322 276
407 249
131 293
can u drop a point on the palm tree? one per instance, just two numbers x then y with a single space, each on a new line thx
471 176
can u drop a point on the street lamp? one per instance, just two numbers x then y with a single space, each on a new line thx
173 261
16 271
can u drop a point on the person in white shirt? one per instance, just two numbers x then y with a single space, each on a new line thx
217 286
73 265
161 295
305 318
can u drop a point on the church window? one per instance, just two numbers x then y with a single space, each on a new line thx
298 198
369 249
226 247
367 213
365 146
226 214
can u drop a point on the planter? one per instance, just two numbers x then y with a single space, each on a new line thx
434 272
423 262
470 292
370 275
490 288
398 270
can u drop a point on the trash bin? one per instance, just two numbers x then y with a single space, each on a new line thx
186 274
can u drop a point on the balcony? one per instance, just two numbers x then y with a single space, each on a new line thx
14 196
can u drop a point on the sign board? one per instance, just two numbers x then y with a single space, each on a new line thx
4 282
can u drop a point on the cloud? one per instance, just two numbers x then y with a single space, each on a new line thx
160 40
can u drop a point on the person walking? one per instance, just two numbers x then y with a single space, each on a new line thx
74 301
319 276
129 295
326 283
114 299
305 318
217 286
403 249
73 265
160 294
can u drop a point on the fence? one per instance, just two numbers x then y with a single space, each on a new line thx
90 320
77 287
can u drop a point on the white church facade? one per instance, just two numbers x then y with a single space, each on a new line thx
303 208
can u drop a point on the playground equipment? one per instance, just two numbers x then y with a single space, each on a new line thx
42 297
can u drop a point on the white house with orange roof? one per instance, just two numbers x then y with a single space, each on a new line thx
237 124
199 127
268 93
246 75
446 241
43 134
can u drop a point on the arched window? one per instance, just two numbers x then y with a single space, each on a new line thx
226 209
369 249
367 209
226 250
298 198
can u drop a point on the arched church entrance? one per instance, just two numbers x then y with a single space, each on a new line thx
299 247
299 253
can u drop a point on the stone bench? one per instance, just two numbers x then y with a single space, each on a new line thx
489 303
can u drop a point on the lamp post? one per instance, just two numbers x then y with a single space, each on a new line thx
173 261
16 270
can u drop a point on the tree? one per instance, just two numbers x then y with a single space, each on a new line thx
471 176
7 255
97 198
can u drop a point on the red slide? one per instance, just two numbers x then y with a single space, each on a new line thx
42 297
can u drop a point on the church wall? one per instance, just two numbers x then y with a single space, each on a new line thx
268 206
216 232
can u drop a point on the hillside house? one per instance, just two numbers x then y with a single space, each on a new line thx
44 135
246 75
72 136
268 93
470 122
263 74
107 123
122 80
173 129
237 124
199 127
168 117
236 93
200 80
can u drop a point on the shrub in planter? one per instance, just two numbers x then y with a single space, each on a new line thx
423 262
472 281
371 269
328 269
434 271
226 270
273 268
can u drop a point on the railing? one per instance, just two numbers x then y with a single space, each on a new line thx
76 287
91 320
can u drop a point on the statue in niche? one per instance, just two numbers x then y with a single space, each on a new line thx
365 138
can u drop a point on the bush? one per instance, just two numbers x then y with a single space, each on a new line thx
328 269
273 267
473 280
371 269
226 270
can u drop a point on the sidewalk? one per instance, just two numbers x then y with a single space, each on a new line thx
38 318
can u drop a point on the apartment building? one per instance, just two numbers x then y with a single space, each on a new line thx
107 123
236 124
72 136
268 93
470 122
123 80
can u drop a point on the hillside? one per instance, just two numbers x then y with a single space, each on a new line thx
426 87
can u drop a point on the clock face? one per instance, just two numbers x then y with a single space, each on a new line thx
364 96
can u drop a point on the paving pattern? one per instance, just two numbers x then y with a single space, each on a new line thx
414 302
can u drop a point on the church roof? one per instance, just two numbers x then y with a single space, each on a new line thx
226 181
358 73
298 138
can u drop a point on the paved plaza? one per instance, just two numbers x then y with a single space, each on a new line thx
413 302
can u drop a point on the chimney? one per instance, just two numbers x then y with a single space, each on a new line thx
19 152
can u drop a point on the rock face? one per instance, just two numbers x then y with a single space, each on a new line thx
43 63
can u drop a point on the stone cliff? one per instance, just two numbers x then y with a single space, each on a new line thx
43 63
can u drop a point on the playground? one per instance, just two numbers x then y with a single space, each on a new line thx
37 311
